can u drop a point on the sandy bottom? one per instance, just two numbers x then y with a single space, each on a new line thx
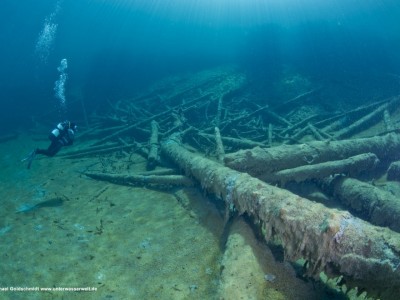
126 242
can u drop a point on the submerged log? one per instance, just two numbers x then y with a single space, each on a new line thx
300 124
318 136
360 124
234 142
220 146
219 111
259 161
352 114
89 149
153 146
351 166
126 179
387 120
295 138
375 205
102 150
328 239
366 121
278 118
163 171
393 173
270 134
299 99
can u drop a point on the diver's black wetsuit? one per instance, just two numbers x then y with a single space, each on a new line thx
52 150
62 135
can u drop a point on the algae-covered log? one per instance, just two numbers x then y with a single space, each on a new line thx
89 149
126 179
393 173
153 146
101 150
387 120
350 166
234 142
363 123
220 146
259 161
375 205
328 239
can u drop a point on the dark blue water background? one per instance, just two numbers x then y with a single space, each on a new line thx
116 47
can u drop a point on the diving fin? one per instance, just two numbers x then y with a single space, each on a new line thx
29 158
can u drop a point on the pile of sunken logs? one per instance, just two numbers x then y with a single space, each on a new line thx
245 152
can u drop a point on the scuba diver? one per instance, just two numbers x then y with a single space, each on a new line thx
62 135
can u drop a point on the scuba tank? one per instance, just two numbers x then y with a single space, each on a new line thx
55 133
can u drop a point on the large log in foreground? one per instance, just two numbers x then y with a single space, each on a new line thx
259 161
328 239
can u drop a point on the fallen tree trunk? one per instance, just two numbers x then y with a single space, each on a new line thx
158 172
363 123
220 146
103 150
393 173
375 205
259 161
387 120
300 124
234 142
270 134
351 166
352 114
153 147
126 179
89 149
328 239
317 135
295 101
